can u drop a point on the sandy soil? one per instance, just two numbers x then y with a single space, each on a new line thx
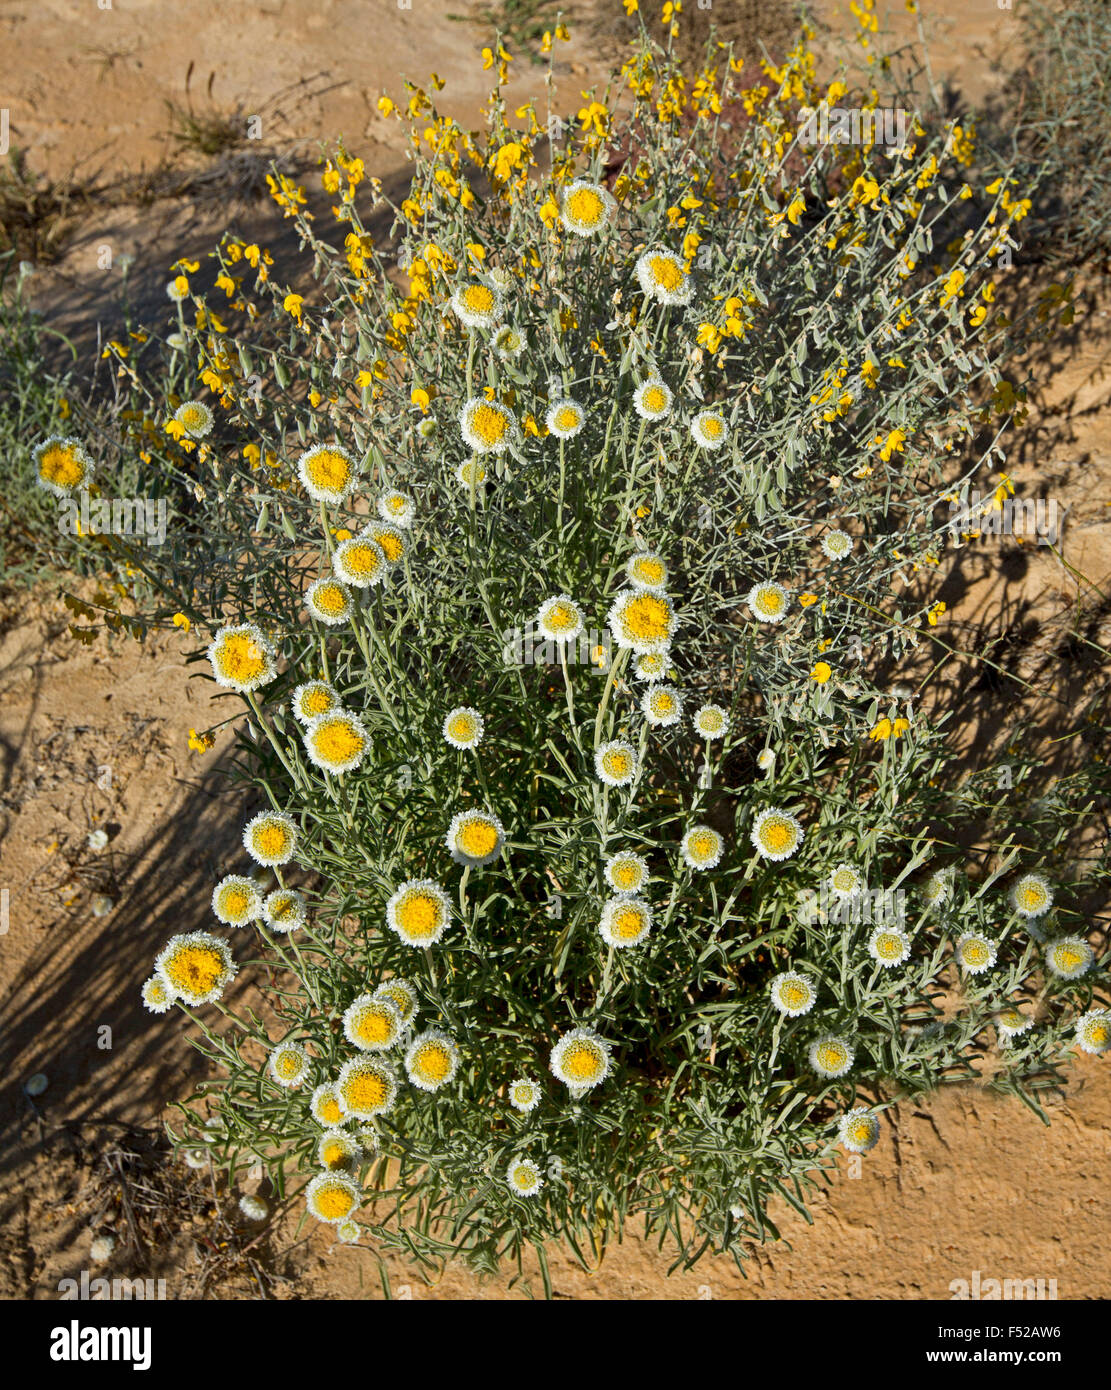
97 737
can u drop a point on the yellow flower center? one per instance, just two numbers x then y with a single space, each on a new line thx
560 617
462 727
195 969
337 742
375 1025
283 907
712 426
831 1056
617 762
702 845
889 947
315 702
191 416
626 875
1098 1034
1032 896
240 657
585 207
334 1154
418 916
770 601
860 1132
628 923
478 299
647 618
582 1062
777 835
365 1091
235 901
975 952
331 1112
477 838
525 1179
567 418
649 571
334 1202
400 998
488 423
654 400
61 464
393 547
793 994
328 470
1068 957
330 599
286 1064
662 703
362 561
271 839
666 272
432 1062
522 1094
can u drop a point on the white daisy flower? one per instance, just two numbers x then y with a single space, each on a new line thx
653 666
626 872
157 996
270 838
664 277
253 1207
288 1064
830 1055
313 699
337 742
1032 896
776 834
62 465
419 912
1011 1023
372 1023
765 760
975 952
793 994
709 429
615 762
463 727
524 1094
581 1060
195 418
643 620
397 507
937 891
712 722
391 539
241 658
332 1197
236 901
858 1130
523 1177
349 1232
1093 1031
471 472
328 473
652 400
366 1087
195 967
475 838
702 847
625 921
1069 957
285 910
646 570
837 544
487 426
565 418
338 1150
360 561
846 882
509 342
888 946
432 1059
403 995
768 602
662 706
560 619
587 208
478 305
326 1106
